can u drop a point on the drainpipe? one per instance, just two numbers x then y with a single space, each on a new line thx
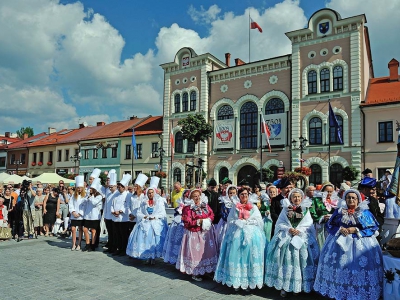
363 138
289 143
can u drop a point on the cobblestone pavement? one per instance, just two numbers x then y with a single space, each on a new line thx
46 268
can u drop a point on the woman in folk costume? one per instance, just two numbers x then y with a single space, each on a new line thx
227 202
138 196
241 260
198 254
263 202
292 255
76 211
92 214
173 241
324 204
350 265
147 238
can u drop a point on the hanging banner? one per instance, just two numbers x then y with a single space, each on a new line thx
224 132
277 126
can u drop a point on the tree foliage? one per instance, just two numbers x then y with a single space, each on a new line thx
267 175
23 130
350 173
195 128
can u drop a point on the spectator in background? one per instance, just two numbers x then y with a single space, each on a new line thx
63 205
51 206
367 173
38 203
3 213
9 203
176 194
27 197
310 191
1 190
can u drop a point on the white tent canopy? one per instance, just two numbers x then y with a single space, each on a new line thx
3 176
51 178
13 179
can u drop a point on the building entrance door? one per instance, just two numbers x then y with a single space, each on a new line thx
248 173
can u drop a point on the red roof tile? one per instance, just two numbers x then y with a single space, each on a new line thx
25 143
152 125
382 91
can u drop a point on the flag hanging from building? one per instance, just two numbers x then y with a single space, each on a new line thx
171 140
333 122
265 130
254 25
134 144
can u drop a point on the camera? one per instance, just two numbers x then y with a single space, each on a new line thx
25 185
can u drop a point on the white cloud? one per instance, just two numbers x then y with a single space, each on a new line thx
383 26
202 15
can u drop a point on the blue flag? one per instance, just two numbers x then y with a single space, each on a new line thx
333 122
134 144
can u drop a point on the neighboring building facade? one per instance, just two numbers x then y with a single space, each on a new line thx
330 62
6 140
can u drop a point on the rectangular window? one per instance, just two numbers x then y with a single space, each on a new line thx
23 157
86 154
139 150
312 82
137 173
128 152
59 155
385 131
51 156
114 151
41 156
12 159
104 153
66 155
153 173
34 157
154 149
95 153
2 161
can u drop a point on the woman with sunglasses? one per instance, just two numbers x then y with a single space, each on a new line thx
51 206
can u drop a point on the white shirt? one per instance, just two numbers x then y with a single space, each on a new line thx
78 206
135 203
107 205
93 207
121 202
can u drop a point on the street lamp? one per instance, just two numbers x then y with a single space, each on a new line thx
160 153
16 163
76 158
303 143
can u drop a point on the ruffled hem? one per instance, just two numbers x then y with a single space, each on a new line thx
251 286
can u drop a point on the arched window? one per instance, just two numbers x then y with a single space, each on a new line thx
333 131
190 146
274 106
177 103
338 78
316 174
324 80
274 169
336 175
178 142
223 172
315 131
225 112
193 100
248 126
185 102
312 82
177 175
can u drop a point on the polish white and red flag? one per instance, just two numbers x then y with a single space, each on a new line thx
254 25
265 130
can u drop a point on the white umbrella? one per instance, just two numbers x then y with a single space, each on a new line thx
3 176
13 179
51 178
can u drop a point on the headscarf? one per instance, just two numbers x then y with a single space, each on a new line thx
350 216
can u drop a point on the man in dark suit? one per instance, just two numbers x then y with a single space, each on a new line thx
285 187
366 187
213 196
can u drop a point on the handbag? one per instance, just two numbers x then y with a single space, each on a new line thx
5 233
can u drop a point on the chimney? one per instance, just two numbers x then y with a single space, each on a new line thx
228 59
133 117
101 123
393 70
81 126
25 136
52 130
239 62
7 134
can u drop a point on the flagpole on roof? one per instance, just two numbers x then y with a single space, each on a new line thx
329 143
249 34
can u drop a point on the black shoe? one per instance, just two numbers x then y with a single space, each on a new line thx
107 251
116 253
87 247
122 254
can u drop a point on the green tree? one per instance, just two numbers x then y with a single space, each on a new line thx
350 173
23 130
195 128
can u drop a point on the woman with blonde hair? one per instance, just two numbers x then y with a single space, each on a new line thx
76 210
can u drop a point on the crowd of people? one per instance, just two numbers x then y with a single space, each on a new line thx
325 239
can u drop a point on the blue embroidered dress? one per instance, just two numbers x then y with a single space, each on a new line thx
220 229
350 267
291 261
147 239
241 260
174 237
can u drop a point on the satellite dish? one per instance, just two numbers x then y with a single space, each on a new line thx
85 124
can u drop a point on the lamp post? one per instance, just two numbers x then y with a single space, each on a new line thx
16 163
302 145
75 158
160 152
